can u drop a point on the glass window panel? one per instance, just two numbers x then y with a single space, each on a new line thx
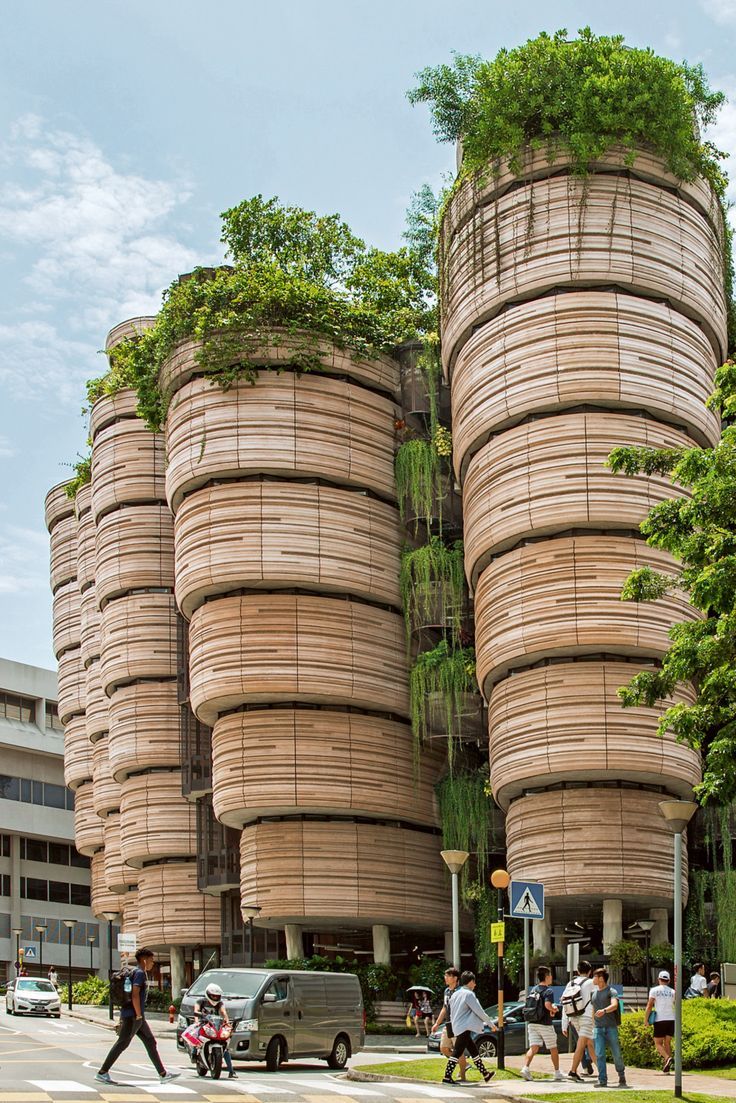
59 892
38 792
36 850
70 800
80 895
54 796
25 790
36 889
9 787
78 860
59 854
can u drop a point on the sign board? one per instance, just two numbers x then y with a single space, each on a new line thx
29 953
573 957
126 943
527 899
498 932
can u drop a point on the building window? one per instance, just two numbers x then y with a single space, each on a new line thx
58 892
34 850
33 888
14 707
52 717
58 854
80 895
78 860
5 884
5 846
36 792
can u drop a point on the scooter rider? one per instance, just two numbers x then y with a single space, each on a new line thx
212 1004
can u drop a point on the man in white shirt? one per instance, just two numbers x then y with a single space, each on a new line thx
582 1022
662 1002
698 983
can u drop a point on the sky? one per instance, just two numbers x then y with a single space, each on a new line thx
127 126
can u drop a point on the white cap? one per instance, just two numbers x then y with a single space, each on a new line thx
664 975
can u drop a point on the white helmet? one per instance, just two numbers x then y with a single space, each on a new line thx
213 992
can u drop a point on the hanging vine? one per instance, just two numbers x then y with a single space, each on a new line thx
432 584
417 468
444 675
466 815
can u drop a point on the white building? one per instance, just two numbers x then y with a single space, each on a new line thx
43 879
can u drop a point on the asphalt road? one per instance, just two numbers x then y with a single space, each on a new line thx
50 1059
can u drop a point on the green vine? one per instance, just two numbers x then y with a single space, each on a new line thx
447 673
432 582
418 479
466 815
82 475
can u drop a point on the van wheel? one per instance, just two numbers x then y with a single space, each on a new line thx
275 1054
338 1059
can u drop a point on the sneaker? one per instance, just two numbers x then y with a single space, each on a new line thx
668 1064
559 1075
445 1080
489 1076
232 1076
600 1084
167 1076
622 1084
526 1073
103 1077
574 1076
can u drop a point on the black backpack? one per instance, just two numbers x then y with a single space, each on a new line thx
534 1010
121 987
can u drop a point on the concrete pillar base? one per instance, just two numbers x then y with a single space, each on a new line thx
542 933
381 944
661 928
613 923
294 940
176 954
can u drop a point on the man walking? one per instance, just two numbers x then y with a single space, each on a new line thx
541 1031
133 1023
468 1018
447 1039
606 1016
579 993
662 1002
698 983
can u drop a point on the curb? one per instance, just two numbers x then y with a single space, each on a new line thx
395 1049
107 1025
375 1078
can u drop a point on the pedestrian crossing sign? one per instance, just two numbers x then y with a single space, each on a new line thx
527 899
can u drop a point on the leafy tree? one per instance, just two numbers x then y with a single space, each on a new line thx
700 532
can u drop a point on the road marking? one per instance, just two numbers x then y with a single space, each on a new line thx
125 1097
166 1089
320 1082
24 1097
52 1086
324 1098
436 1093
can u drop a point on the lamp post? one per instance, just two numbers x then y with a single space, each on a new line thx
91 940
677 815
500 881
110 916
17 931
70 924
646 925
250 912
455 860
41 928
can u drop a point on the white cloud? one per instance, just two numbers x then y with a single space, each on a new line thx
24 559
97 233
722 11
36 359
6 449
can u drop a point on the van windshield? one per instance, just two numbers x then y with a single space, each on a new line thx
240 984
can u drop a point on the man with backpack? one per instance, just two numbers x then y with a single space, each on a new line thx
577 1015
606 1016
539 1010
133 1023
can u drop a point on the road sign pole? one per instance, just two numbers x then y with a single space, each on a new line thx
526 974
501 1060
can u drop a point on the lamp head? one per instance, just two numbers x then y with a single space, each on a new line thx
109 916
677 814
454 859
250 911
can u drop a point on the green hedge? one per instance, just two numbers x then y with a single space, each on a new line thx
708 1036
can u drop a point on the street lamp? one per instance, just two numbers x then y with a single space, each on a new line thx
500 881
455 860
250 912
677 815
91 940
41 928
645 926
17 931
70 924
110 916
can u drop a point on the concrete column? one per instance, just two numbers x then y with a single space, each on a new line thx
176 954
294 941
661 930
542 933
381 944
559 941
448 945
41 713
613 923
14 885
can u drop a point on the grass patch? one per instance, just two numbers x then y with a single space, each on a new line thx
728 1072
432 1068
633 1096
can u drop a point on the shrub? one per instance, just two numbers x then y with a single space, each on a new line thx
708 1036
92 991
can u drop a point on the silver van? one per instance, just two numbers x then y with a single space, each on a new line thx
282 1014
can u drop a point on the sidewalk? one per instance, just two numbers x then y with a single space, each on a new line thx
100 1016
641 1079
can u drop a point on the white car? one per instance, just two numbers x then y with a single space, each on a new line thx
32 996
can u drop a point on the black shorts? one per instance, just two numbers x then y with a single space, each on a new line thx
664 1028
